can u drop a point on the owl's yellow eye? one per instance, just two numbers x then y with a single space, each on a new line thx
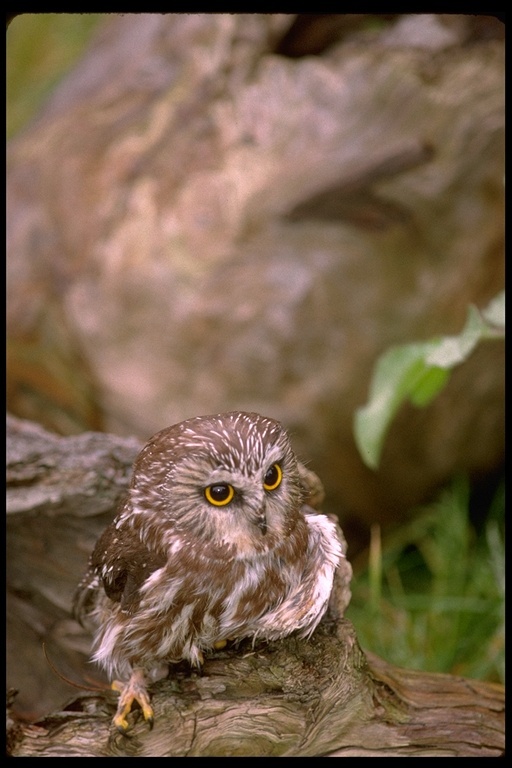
219 494
273 477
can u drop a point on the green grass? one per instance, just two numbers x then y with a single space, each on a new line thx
40 49
431 596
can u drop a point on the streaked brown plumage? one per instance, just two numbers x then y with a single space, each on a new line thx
213 542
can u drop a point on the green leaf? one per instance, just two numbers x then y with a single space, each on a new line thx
418 372
452 350
399 372
432 382
494 312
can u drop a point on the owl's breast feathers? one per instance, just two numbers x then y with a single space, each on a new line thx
150 604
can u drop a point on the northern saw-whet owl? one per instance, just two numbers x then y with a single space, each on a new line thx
215 541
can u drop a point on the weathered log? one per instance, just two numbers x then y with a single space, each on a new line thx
60 495
293 698
323 696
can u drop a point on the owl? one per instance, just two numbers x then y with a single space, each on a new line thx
214 542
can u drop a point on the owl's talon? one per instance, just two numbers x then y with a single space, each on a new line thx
121 724
133 690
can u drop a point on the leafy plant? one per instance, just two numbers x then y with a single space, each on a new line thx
433 597
418 372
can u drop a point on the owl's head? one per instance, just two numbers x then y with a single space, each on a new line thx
229 479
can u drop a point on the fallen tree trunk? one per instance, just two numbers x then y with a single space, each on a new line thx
323 696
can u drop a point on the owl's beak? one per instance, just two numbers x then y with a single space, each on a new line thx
261 522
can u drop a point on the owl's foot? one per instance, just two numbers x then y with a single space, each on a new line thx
134 690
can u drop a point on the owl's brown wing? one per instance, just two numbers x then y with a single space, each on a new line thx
123 564
120 563
312 486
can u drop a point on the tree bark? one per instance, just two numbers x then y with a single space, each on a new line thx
318 697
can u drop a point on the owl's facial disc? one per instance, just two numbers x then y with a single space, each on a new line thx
222 494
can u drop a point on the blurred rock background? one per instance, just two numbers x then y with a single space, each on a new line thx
212 212
216 212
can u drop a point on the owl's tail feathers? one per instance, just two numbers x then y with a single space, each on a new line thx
84 598
134 690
